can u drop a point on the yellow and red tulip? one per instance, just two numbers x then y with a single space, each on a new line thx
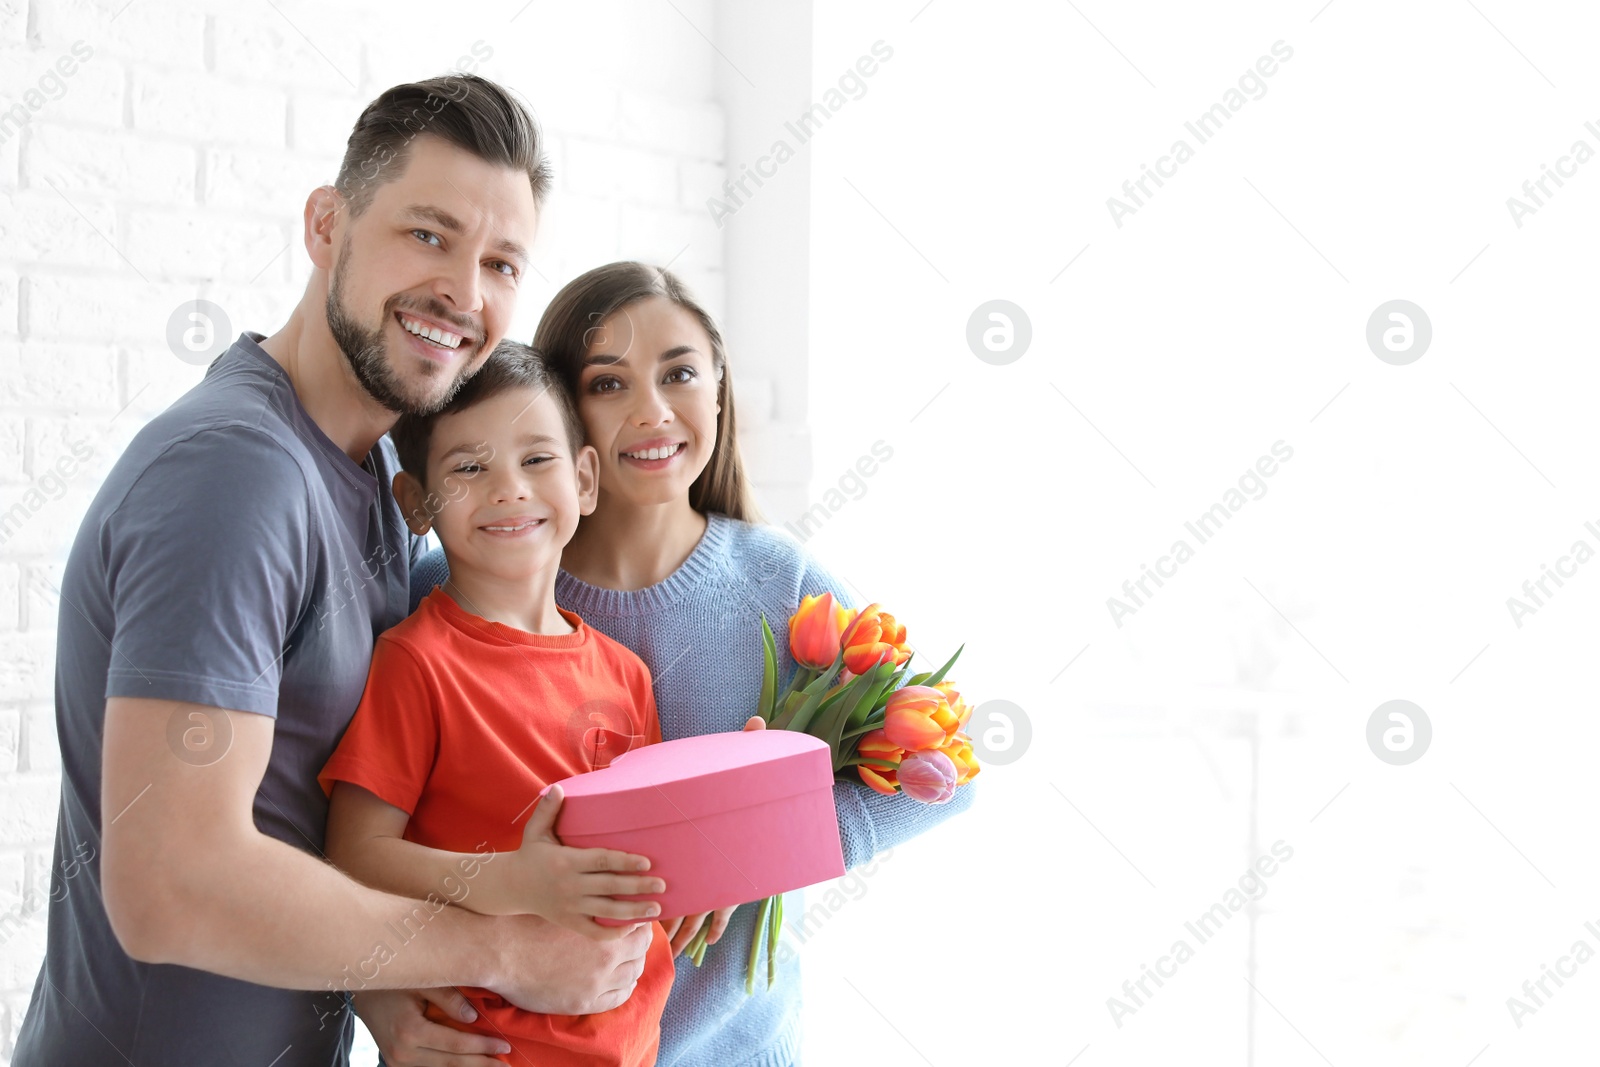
874 638
958 707
918 718
959 749
877 746
814 631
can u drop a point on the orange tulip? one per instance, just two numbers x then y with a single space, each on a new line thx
874 638
959 749
876 745
881 781
814 631
958 707
918 717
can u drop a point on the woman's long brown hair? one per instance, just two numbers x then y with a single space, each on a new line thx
591 298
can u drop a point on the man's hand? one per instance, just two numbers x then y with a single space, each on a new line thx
568 886
547 968
407 1038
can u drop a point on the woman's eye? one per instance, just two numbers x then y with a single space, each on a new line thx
599 385
426 237
686 370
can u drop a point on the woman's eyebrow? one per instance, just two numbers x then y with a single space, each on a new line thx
603 359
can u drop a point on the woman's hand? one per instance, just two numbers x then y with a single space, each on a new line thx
680 932
406 1038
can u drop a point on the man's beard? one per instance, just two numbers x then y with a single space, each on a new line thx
364 350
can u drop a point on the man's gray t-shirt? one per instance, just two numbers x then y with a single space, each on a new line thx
236 558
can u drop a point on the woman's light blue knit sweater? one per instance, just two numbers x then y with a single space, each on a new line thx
699 631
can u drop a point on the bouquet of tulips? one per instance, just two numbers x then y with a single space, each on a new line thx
846 689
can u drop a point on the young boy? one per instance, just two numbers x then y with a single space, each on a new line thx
488 693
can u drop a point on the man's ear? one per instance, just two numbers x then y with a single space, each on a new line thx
587 467
413 501
325 208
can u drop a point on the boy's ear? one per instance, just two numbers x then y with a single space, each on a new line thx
413 501
587 467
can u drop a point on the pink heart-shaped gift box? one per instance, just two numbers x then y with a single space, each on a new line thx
724 818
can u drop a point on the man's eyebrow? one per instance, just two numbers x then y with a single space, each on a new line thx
446 221
602 359
438 216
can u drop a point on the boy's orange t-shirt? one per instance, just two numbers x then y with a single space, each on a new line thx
462 723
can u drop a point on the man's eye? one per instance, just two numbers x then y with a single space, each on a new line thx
504 268
426 237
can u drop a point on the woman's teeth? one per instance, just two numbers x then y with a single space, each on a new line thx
655 453
442 338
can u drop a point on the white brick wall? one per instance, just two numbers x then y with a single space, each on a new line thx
174 164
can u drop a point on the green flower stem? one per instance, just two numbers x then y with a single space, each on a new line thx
755 946
772 941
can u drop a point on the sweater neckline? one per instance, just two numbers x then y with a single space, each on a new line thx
705 561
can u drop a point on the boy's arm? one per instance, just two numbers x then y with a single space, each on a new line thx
188 879
567 886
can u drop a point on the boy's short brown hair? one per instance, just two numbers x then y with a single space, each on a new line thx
512 365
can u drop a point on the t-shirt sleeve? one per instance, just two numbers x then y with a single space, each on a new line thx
392 741
206 556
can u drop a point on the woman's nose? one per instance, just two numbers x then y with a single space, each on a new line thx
652 409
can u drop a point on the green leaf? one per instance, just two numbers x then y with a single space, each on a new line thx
874 722
862 698
938 675
814 694
769 671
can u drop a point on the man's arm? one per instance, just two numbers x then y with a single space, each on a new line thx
188 879
366 836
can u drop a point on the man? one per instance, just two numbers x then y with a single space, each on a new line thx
219 608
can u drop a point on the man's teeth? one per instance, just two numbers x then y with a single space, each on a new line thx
655 453
512 529
443 338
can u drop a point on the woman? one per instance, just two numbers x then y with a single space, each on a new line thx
675 563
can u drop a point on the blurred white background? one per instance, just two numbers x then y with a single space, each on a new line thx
1229 312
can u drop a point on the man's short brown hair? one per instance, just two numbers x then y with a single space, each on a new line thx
465 110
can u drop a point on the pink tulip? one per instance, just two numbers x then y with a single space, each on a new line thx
929 777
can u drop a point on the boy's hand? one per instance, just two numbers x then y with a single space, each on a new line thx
570 886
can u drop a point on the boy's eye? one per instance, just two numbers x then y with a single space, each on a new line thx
468 468
537 459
